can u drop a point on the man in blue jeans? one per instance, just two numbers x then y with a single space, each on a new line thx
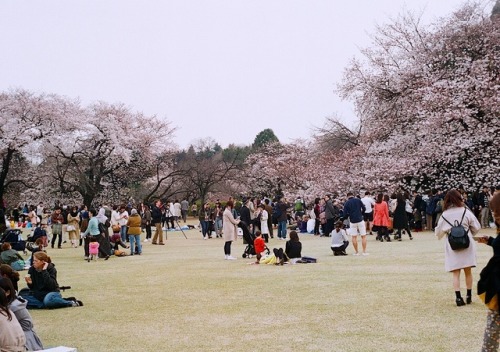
282 219
354 210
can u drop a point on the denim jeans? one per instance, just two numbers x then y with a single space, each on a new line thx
136 239
204 227
282 229
123 233
51 301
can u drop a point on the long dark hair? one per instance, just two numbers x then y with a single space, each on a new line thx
400 198
10 273
4 305
6 285
453 198
495 208
294 236
380 198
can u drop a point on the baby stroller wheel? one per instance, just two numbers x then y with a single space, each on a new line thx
244 255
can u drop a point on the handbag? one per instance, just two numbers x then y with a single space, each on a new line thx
390 225
70 228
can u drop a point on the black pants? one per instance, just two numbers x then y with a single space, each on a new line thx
270 226
148 231
86 241
59 242
407 230
278 253
330 224
316 226
227 248
341 248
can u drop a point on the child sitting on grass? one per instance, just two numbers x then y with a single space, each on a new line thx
259 246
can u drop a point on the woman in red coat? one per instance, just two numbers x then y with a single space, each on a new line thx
381 218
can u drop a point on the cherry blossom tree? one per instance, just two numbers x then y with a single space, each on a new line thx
278 169
108 147
27 121
428 100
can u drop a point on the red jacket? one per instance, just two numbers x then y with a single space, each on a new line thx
381 214
259 245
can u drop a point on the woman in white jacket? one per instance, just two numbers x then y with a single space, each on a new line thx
462 259
229 231
264 216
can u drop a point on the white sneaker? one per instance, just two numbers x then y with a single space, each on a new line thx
230 258
356 254
204 237
146 240
364 253
225 257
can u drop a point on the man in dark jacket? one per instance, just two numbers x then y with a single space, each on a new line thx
156 221
354 210
331 213
245 213
282 218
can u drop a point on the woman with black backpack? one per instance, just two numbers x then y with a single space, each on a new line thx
455 214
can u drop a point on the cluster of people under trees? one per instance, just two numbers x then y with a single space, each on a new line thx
354 216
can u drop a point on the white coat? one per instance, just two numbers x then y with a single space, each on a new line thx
264 229
229 231
464 258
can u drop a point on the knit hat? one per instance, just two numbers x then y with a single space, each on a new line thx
133 211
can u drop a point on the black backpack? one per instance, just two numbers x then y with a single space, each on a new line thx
458 236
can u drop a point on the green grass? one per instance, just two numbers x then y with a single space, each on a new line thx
184 297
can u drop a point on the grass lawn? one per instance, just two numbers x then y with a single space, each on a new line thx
185 297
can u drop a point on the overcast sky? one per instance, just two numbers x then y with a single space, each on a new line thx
225 69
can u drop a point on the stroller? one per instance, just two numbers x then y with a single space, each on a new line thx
248 238
14 237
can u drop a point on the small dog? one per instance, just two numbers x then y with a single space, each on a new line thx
93 250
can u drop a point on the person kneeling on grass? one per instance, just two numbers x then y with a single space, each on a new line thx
43 289
339 239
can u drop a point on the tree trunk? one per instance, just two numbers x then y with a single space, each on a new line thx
4 172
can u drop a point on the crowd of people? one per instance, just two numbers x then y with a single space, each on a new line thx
345 219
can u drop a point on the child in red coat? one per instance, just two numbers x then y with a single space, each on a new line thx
259 245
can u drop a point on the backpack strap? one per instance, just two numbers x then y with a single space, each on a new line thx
449 223
461 220
463 215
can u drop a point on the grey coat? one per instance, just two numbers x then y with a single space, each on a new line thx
18 307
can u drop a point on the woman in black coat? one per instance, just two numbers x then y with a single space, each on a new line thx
400 218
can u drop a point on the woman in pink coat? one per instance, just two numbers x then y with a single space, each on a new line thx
381 218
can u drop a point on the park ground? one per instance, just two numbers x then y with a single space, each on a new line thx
185 297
